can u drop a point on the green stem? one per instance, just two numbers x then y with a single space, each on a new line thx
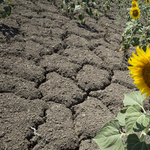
143 134
143 109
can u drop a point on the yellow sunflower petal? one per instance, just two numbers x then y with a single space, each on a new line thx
135 12
143 56
140 70
148 1
134 4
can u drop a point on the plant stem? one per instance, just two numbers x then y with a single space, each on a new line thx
143 109
143 134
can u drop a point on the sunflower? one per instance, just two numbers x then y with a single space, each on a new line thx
146 1
136 0
140 70
135 12
134 4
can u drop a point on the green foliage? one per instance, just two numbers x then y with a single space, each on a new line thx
121 117
109 137
134 98
7 9
133 119
87 7
137 32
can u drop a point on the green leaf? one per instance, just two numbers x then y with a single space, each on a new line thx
131 141
97 13
7 10
139 27
65 1
121 117
135 120
62 6
109 136
134 98
85 1
10 1
148 146
129 25
93 2
72 5
89 11
135 41
4 14
108 8
126 46
77 7
141 146
81 16
1 1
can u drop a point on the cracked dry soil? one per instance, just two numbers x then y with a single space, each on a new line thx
58 89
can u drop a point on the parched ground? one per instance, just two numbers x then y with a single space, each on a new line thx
60 81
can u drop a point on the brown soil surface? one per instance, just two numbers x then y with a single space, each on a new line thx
58 89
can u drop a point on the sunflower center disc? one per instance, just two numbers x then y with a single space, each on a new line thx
135 13
146 75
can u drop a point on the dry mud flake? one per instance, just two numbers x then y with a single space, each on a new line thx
89 117
61 90
57 133
88 145
92 78
18 86
22 68
60 64
18 115
112 59
83 56
123 78
112 96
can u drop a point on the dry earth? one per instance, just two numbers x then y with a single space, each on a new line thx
57 90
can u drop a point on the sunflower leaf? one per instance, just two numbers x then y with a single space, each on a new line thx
129 26
78 6
10 1
131 141
141 146
135 41
121 117
134 98
136 120
109 136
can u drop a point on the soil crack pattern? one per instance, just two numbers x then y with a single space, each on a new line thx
60 81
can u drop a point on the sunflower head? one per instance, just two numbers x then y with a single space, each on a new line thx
135 12
140 70
135 0
134 4
146 1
